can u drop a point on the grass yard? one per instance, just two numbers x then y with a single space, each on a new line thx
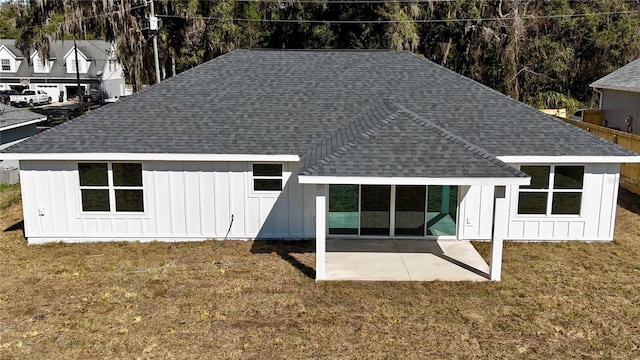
257 301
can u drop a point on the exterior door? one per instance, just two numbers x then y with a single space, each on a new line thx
375 210
398 210
410 209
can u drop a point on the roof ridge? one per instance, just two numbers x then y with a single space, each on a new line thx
356 138
394 109
131 97
471 147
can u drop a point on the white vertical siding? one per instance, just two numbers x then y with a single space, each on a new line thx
476 212
195 200
183 200
596 221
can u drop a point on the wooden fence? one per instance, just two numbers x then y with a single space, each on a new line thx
629 173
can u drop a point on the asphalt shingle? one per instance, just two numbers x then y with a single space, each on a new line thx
389 140
11 116
625 78
284 102
97 51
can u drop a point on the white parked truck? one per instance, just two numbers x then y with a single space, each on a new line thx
30 97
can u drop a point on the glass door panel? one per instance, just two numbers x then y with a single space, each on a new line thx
343 209
442 210
375 209
410 205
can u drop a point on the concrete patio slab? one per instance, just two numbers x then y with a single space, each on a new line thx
404 260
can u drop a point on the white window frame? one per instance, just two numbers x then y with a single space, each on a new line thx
112 189
283 176
392 217
5 62
551 190
42 66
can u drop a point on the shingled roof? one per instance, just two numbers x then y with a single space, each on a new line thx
257 102
389 140
11 117
97 51
625 78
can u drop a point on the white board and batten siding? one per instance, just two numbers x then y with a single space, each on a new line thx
595 222
195 200
182 200
475 212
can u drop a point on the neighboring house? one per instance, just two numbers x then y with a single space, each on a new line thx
101 73
318 144
16 125
620 98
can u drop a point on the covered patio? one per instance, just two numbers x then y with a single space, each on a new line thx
420 259
396 177
404 260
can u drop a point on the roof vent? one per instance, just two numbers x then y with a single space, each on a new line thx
99 73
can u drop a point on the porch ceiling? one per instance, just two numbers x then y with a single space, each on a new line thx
404 260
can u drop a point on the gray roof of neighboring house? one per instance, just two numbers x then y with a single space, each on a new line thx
95 50
10 116
10 44
625 78
285 102
389 140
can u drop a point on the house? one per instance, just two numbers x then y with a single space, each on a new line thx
620 98
100 72
319 144
16 125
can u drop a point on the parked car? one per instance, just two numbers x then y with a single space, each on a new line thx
30 97
5 96
577 115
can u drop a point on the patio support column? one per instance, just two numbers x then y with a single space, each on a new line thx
500 222
321 230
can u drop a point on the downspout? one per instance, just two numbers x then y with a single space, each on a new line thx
599 92
600 96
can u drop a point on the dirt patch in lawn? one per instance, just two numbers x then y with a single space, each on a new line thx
183 300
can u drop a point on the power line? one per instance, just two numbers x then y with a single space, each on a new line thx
86 17
312 21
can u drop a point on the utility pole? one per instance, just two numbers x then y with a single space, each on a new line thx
79 95
153 27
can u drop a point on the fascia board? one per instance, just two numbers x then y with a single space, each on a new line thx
372 180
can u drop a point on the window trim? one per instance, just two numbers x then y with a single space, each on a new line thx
8 63
41 66
284 176
111 189
550 191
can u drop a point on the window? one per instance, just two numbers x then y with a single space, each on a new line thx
6 64
267 177
39 65
554 190
72 66
108 187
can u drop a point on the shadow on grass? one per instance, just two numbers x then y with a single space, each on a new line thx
286 249
629 200
17 226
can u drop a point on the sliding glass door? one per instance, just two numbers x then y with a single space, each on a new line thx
409 220
375 210
393 210
442 210
343 209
